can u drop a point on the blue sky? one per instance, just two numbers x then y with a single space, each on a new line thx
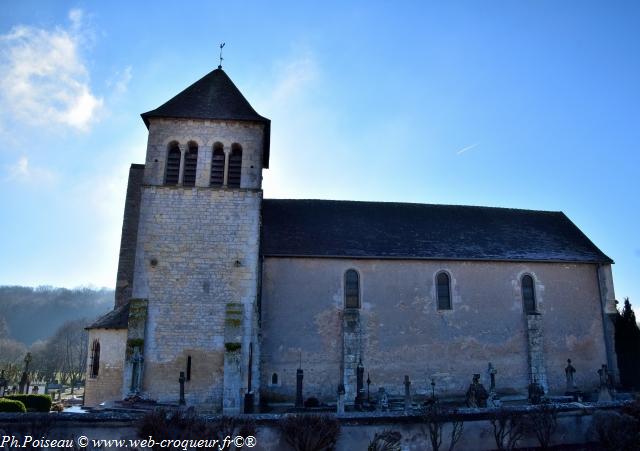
528 104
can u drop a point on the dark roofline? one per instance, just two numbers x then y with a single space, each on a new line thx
344 229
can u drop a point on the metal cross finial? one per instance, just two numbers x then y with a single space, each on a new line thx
221 58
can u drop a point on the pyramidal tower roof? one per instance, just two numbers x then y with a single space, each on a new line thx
214 96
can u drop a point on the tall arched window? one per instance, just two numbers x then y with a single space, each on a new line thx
217 165
95 359
190 165
274 379
351 289
173 164
235 166
528 295
444 291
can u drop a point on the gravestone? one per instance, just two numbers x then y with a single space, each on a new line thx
605 392
383 400
407 393
536 392
299 378
181 380
476 395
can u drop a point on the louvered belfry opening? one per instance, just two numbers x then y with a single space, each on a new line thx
173 165
217 165
235 166
190 165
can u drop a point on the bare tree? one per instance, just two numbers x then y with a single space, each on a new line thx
508 429
12 353
64 354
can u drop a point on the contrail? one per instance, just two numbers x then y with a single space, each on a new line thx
464 149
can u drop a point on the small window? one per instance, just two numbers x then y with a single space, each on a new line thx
274 379
217 165
95 359
351 289
190 165
173 164
528 295
444 291
189 368
235 166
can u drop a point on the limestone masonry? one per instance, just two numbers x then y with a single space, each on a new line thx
234 293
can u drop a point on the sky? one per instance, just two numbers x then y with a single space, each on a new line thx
528 104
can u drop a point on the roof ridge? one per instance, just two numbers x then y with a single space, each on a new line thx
418 203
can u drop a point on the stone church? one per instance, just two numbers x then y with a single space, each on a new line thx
238 292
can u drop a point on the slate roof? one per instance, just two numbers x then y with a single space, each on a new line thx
214 96
115 319
328 228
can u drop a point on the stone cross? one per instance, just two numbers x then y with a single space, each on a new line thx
407 393
299 377
181 379
569 371
24 380
492 377
605 385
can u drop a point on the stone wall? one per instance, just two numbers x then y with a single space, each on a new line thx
357 430
197 253
126 259
107 385
403 332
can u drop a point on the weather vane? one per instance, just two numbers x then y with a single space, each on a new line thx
221 58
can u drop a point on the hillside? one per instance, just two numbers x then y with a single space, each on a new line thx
33 314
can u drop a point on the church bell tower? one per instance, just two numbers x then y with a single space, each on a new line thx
196 269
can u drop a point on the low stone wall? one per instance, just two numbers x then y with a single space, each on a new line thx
357 429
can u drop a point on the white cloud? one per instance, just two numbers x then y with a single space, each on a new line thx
296 76
43 78
24 172
119 83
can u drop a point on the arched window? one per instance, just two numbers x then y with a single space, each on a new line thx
351 289
173 164
235 166
188 368
95 359
274 379
444 291
528 295
190 165
217 165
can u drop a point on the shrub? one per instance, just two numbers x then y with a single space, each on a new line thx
11 405
386 441
615 431
310 432
162 424
508 429
38 403
543 422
